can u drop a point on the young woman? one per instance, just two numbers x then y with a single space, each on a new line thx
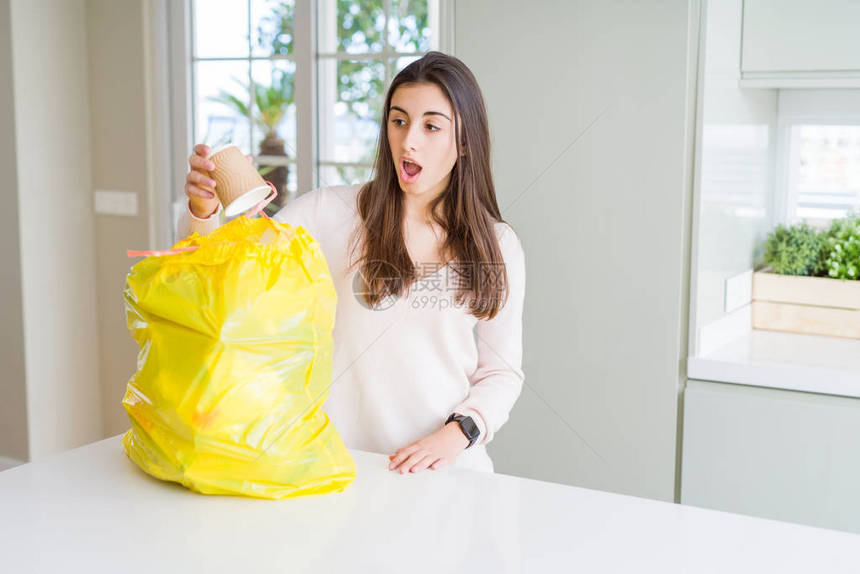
430 279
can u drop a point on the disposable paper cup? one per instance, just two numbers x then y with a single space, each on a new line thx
239 186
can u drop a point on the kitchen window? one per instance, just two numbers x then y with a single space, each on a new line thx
362 45
819 155
299 84
823 171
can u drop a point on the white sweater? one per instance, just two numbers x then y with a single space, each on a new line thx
398 372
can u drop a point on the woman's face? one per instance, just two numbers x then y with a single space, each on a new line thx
421 128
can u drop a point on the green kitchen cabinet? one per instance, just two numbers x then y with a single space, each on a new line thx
772 453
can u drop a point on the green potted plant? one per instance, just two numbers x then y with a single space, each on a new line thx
811 283
270 104
796 250
842 260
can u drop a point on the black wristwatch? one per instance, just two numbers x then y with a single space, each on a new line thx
467 425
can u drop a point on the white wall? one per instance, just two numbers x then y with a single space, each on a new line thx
118 100
13 391
57 271
591 108
74 102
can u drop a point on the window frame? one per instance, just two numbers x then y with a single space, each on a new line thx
179 66
301 86
441 12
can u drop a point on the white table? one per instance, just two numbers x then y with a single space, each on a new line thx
92 510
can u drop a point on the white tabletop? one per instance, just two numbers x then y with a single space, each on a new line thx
92 510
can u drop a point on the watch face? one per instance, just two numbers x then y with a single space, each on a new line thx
469 428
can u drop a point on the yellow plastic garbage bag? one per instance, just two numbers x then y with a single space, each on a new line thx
235 364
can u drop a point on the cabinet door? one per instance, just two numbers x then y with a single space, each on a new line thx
800 36
771 453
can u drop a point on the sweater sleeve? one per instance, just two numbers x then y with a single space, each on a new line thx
189 223
498 379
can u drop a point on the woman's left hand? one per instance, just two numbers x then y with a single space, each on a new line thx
436 451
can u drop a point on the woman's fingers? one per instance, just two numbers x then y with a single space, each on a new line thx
401 455
199 184
413 460
191 189
424 463
197 162
201 179
199 187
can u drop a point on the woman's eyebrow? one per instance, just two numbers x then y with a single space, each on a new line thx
431 113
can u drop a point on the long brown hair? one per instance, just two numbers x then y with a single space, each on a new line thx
467 210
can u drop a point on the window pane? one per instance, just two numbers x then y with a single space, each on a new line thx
343 175
225 120
353 26
398 64
272 30
350 107
826 171
274 105
220 28
274 119
408 26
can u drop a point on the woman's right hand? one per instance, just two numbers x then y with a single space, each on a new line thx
199 187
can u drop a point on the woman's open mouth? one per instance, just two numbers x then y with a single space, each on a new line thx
409 171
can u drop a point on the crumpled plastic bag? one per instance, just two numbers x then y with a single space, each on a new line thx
235 364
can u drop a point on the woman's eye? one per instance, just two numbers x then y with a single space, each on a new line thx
395 120
432 127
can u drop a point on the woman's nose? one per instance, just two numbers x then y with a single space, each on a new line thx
411 139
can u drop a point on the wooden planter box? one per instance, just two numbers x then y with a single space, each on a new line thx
808 305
